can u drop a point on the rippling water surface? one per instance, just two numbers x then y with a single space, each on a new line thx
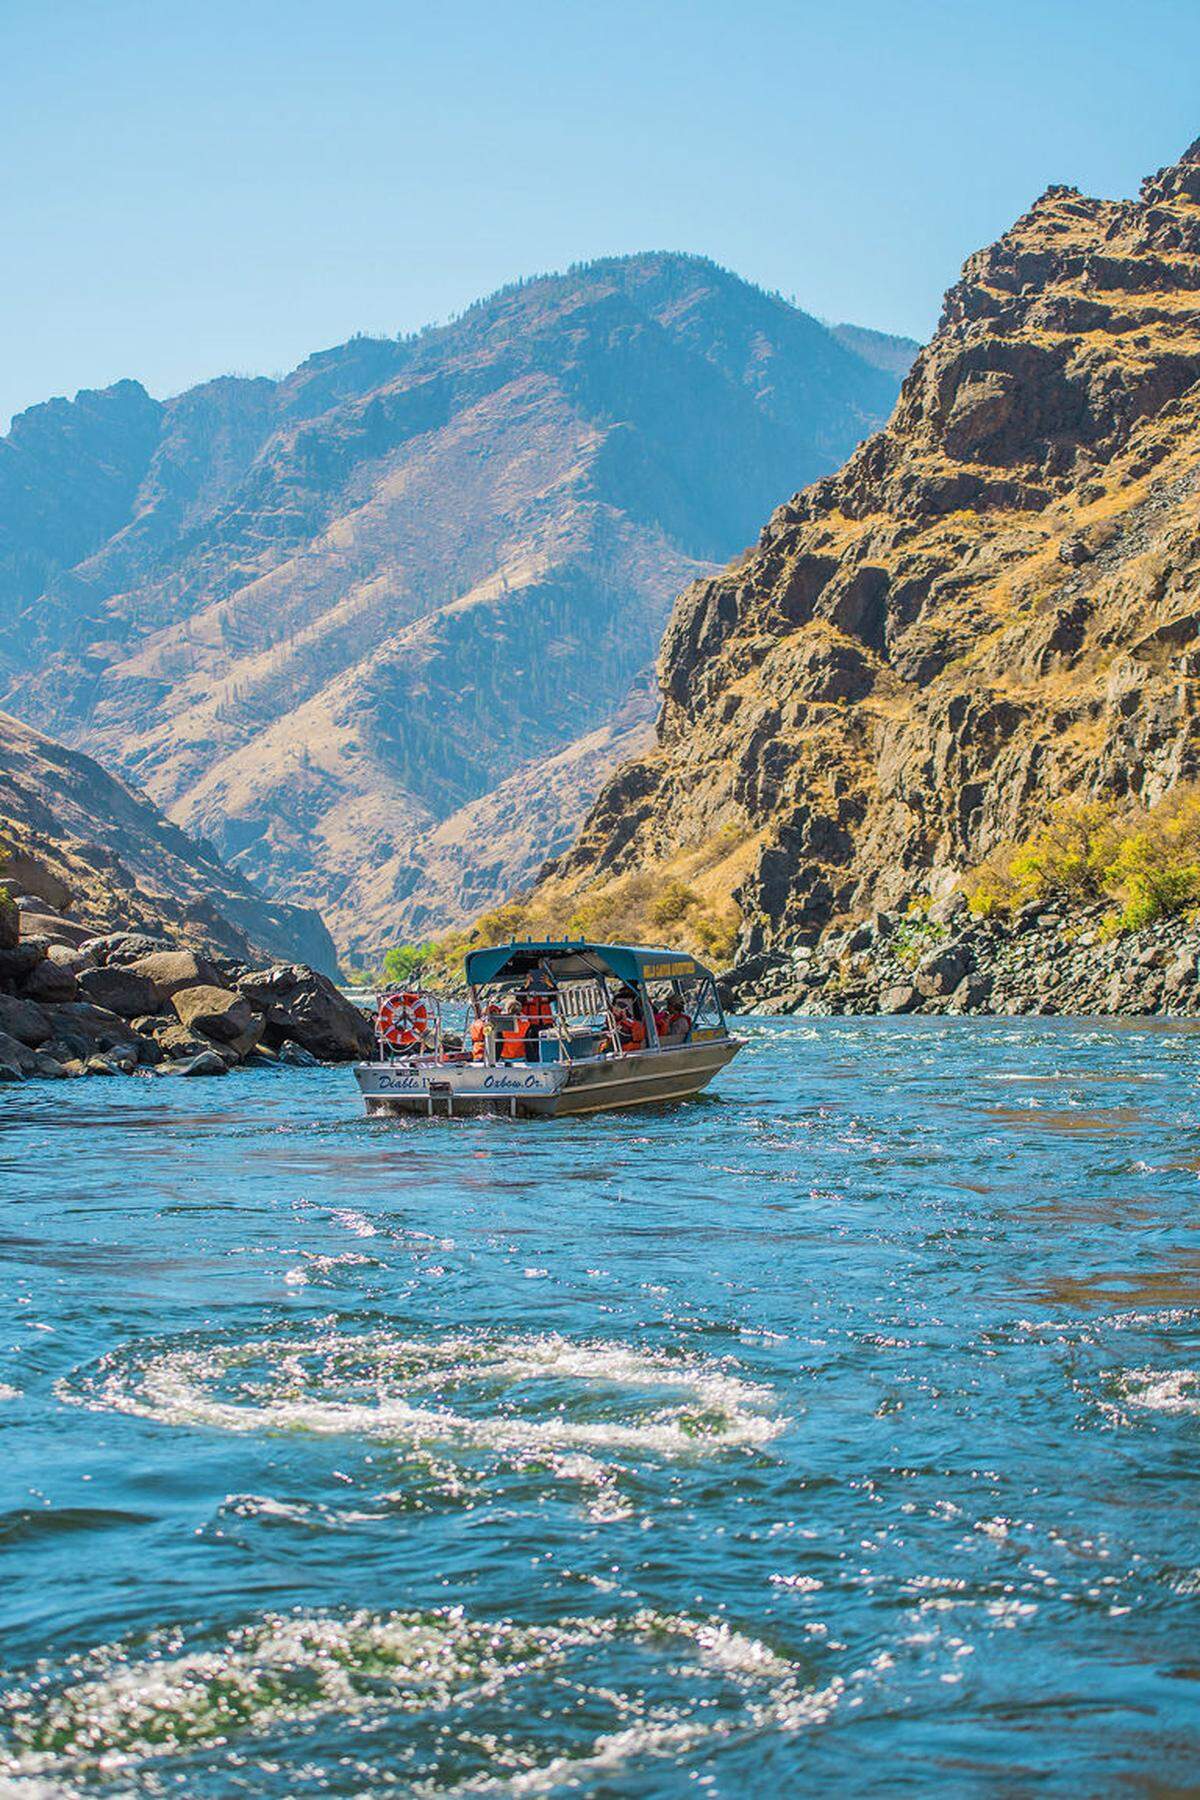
836 1432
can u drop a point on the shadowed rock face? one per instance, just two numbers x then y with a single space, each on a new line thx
86 844
316 619
993 604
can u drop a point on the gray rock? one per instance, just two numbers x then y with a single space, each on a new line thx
948 909
9 1073
1181 973
54 928
296 1055
207 1063
119 990
941 970
1115 994
24 1020
300 1004
123 946
218 1013
102 1065
972 992
50 983
85 1029
902 998
20 961
18 1056
175 1041
171 970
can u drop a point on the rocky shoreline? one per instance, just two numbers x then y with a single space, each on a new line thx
126 1003
1047 959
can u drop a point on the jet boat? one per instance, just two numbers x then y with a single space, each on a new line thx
561 1026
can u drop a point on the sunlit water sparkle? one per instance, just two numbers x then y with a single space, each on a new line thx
838 1432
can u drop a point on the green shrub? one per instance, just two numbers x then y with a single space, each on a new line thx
1145 859
403 961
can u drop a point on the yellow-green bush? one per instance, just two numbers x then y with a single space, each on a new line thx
1145 859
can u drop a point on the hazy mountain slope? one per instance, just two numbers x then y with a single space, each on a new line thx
70 472
880 348
349 604
126 865
994 604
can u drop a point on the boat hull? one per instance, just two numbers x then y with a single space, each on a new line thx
547 1090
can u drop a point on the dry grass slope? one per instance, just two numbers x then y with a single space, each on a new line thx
991 608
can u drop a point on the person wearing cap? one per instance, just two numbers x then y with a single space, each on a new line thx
672 1024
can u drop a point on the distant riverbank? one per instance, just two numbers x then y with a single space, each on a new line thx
1043 959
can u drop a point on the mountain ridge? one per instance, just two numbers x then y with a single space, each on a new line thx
990 607
348 604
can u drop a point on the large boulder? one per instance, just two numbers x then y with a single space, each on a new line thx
119 990
50 983
940 972
170 970
173 1039
28 873
123 947
298 1003
54 928
901 998
81 1029
207 1063
69 958
21 960
218 1013
10 921
24 1020
16 1056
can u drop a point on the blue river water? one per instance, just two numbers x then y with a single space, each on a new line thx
838 1432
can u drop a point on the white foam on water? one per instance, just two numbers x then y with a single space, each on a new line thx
377 1386
119 1711
1161 1390
9 1393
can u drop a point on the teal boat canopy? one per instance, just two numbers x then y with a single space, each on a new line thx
567 958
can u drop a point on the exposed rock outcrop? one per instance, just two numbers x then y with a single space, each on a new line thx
317 618
992 606
134 1007
86 854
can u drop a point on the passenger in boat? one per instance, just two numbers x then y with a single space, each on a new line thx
672 1023
480 1028
630 1030
515 1033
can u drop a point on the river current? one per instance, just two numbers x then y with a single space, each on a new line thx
836 1433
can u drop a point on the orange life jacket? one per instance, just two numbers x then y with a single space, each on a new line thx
512 1044
477 1034
538 1009
633 1034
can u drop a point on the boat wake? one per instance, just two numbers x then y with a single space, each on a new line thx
528 1707
571 1407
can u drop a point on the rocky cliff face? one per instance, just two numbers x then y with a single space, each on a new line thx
89 847
994 604
318 618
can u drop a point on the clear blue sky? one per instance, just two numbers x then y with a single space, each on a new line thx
229 184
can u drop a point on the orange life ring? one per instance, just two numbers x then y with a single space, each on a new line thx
402 1019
